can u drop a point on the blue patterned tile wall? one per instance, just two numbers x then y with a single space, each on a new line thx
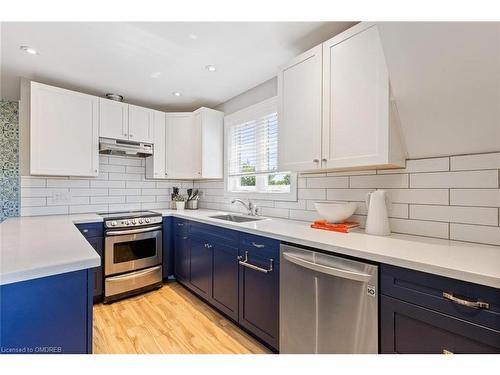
9 159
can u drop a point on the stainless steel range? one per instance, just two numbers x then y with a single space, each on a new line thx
132 253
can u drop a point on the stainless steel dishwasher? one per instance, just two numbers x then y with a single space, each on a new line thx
328 304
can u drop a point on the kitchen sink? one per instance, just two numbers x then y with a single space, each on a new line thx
236 218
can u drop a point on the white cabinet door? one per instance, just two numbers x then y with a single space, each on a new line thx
356 100
113 119
183 153
64 132
155 164
299 112
212 139
140 124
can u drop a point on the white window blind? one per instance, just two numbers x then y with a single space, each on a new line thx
254 146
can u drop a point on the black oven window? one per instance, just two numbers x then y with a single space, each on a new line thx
134 250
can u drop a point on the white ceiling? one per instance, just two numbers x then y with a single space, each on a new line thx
146 62
445 78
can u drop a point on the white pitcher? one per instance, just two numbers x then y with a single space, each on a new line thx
377 223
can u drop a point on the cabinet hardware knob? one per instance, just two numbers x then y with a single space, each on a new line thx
85 230
315 160
324 160
257 245
131 135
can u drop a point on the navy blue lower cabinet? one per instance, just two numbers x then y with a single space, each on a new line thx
182 250
201 266
410 329
94 233
225 279
47 315
259 288
167 246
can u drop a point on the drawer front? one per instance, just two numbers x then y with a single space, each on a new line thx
427 290
213 233
261 247
409 329
91 229
180 227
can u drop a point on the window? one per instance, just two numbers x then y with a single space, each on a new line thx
251 138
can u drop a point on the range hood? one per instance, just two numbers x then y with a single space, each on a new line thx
110 146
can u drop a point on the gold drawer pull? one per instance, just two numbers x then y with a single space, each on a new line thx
463 302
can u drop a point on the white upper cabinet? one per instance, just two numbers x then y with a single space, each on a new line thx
183 146
299 112
113 119
140 124
155 164
64 132
211 123
356 122
192 146
356 106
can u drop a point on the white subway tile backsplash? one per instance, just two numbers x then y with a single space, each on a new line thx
40 192
475 162
124 191
33 181
33 202
87 208
420 228
141 198
298 205
419 196
455 214
274 212
88 192
141 184
319 194
304 215
155 192
327 182
475 233
379 181
46 210
107 199
136 170
119 160
112 168
51 201
353 195
475 197
124 207
107 184
125 177
468 179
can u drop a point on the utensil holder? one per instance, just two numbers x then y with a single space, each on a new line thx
192 205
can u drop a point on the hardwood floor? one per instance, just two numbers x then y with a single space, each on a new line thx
170 321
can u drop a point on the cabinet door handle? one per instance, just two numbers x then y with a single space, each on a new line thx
258 245
324 160
85 231
315 160
244 262
446 351
464 302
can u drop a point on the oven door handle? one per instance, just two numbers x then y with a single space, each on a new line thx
132 231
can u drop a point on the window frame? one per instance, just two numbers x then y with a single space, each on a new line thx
244 115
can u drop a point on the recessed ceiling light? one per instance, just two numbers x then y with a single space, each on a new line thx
211 68
176 93
29 50
193 36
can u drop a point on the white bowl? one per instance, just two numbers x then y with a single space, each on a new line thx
335 212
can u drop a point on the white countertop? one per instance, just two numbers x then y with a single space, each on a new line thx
46 245
39 246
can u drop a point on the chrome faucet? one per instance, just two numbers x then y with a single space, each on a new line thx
252 208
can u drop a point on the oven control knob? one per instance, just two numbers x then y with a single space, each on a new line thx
113 223
134 222
126 222
147 220
141 221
